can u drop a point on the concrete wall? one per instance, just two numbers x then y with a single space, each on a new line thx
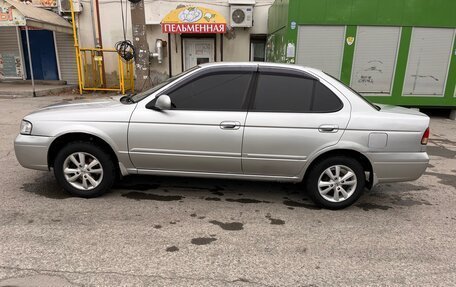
111 30
235 49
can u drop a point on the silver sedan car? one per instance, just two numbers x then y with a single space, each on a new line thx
255 121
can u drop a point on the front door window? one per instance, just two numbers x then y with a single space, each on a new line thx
214 92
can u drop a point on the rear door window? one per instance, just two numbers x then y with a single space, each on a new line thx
286 93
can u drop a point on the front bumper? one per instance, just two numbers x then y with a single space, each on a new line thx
31 151
396 167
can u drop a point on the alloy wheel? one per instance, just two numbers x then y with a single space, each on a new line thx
337 183
83 171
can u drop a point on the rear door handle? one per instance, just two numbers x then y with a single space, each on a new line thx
230 125
328 128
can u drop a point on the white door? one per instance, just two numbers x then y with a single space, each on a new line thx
375 59
321 47
198 51
428 61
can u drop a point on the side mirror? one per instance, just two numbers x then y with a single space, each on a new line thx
163 102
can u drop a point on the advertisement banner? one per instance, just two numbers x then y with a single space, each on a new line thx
10 16
10 66
41 3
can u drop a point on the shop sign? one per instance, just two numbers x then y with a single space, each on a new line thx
193 20
41 3
10 16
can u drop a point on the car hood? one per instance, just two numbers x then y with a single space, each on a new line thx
101 109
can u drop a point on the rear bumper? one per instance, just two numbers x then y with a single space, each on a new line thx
395 167
31 151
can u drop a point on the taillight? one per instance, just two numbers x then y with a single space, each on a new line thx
425 138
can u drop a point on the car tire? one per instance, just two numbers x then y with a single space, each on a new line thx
336 182
83 169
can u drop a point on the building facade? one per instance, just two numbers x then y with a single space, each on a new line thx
49 38
182 50
399 52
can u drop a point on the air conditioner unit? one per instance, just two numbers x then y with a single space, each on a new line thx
64 6
241 15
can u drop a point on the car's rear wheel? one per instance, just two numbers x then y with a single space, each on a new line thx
336 182
84 169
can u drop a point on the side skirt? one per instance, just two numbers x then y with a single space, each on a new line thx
214 175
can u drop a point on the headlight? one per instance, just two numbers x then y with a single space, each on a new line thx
26 127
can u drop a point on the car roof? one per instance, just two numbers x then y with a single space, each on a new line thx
259 64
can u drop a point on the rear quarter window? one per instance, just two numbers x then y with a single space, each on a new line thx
324 100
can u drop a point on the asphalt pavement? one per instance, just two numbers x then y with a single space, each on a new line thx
163 231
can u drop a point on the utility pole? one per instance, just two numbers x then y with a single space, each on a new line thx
138 24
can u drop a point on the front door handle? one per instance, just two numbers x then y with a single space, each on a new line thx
230 125
328 128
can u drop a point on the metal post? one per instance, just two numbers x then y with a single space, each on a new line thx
94 32
100 45
30 60
221 47
77 51
170 65
139 33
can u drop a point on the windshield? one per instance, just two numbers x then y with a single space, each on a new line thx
356 93
138 97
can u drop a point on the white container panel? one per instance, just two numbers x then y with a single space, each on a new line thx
428 61
321 47
375 59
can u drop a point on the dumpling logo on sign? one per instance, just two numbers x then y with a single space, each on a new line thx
193 20
190 15
350 40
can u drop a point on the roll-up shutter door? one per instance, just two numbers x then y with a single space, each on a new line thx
66 57
10 56
428 60
375 59
321 47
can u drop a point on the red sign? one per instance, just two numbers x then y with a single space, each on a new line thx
194 28
193 20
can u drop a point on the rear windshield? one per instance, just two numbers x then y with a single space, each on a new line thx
356 93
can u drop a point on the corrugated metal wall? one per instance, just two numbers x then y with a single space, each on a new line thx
8 38
66 57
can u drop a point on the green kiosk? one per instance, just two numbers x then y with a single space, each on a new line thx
400 52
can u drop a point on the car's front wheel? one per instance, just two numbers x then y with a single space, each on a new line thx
336 182
84 169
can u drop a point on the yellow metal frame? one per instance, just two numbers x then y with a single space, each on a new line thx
126 68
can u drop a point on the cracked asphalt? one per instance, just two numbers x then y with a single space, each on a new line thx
160 231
